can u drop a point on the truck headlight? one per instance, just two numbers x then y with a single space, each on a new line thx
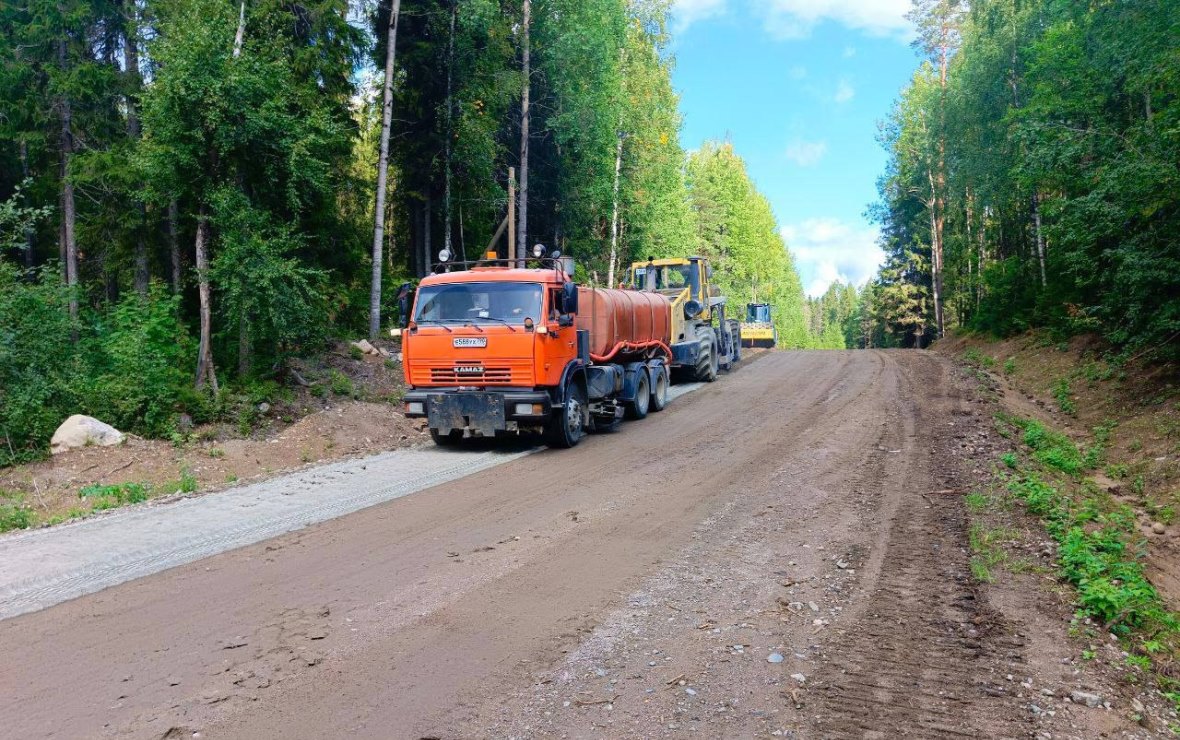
415 407
530 409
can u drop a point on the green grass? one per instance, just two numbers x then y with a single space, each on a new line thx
974 357
1051 448
1010 366
988 551
118 494
977 501
340 384
1062 392
15 515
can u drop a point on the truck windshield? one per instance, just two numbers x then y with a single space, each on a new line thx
509 303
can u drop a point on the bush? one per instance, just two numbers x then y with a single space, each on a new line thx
142 355
14 515
127 366
39 368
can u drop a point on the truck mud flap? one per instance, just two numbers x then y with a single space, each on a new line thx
481 412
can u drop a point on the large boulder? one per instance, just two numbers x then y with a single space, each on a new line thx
84 431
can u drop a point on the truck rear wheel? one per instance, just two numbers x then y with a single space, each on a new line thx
567 424
659 391
638 408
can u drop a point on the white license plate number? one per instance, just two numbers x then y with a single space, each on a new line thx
471 341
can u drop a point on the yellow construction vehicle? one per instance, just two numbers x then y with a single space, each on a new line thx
758 328
703 339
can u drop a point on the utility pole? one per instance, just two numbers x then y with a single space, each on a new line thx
511 213
522 231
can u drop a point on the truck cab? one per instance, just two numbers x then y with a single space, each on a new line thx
484 349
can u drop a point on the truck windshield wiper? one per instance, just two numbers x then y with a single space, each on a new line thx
439 322
502 321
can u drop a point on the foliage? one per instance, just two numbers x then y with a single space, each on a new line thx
130 372
164 128
736 230
1056 141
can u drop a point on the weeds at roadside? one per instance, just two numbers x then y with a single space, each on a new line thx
987 546
977 501
1010 366
974 357
1062 392
15 515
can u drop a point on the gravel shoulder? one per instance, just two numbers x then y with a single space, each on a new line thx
643 584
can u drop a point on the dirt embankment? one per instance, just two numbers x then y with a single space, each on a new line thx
350 406
1131 409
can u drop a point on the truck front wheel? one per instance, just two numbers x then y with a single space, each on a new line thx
567 424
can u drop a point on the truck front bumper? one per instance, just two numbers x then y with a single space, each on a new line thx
481 412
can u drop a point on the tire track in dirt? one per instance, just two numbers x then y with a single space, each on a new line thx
924 656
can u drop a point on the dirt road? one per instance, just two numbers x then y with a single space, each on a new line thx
645 584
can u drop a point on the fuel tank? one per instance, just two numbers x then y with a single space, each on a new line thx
624 324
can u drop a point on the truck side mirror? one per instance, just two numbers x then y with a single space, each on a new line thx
404 294
569 299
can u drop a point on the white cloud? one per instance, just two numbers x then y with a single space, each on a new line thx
844 92
687 12
828 249
795 19
806 153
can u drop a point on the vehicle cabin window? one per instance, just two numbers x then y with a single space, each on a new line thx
509 303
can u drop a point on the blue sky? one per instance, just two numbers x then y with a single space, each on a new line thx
798 87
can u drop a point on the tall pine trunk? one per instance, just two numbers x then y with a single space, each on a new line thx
174 244
68 208
205 370
614 218
523 212
450 134
383 174
131 64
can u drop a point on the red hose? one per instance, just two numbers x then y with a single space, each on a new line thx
633 347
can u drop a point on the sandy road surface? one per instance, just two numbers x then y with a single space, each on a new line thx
785 509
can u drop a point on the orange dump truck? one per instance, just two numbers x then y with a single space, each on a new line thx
498 349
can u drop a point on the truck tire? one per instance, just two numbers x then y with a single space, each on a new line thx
638 408
659 391
451 439
567 424
708 362
735 333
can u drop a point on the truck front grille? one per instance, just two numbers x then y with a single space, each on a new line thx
503 373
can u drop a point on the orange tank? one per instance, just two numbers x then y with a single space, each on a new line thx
625 324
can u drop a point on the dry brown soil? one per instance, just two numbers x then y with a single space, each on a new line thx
807 506
305 429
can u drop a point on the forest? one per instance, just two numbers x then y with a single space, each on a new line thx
193 192
1033 176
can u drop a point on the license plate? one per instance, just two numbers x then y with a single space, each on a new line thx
471 342
469 370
